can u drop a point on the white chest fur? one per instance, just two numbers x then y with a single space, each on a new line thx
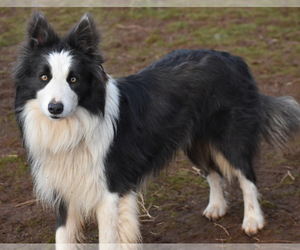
67 156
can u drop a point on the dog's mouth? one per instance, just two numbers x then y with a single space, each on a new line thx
55 117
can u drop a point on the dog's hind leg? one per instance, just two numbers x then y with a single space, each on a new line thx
68 227
217 204
200 154
128 219
253 216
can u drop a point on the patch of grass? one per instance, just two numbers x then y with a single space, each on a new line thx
10 118
33 223
268 231
172 224
173 214
168 13
7 161
288 162
268 156
10 159
177 181
229 240
177 26
288 181
19 228
12 25
284 194
50 239
155 37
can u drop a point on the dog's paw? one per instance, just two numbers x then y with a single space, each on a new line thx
251 225
215 211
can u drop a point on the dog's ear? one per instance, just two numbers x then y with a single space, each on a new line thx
39 31
84 36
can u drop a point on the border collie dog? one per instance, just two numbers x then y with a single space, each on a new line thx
92 140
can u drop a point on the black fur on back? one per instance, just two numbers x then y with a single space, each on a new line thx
190 99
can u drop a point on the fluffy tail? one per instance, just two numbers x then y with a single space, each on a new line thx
280 119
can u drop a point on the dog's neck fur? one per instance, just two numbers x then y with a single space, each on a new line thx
62 151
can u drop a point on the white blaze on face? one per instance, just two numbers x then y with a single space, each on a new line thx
58 89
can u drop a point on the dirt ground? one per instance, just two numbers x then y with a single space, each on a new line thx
172 205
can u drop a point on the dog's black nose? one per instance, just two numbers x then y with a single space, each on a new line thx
55 108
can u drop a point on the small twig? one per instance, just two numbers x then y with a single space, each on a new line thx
172 204
143 215
146 220
155 193
14 156
286 167
290 175
149 206
221 240
231 226
256 239
198 171
2 184
286 175
289 83
131 27
26 203
142 203
216 224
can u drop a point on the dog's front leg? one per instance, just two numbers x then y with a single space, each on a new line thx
129 230
108 219
68 227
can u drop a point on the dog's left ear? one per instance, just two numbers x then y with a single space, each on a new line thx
84 36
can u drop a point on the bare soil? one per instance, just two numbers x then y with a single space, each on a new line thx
174 203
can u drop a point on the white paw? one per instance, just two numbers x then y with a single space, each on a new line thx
252 224
215 211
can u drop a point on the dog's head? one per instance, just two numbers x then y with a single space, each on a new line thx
61 73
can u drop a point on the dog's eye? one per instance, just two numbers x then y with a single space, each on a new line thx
73 79
44 77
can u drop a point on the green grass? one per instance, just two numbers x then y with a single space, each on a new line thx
155 37
15 167
179 180
13 32
169 189
267 204
178 26
19 228
50 239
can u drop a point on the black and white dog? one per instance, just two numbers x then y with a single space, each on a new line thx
92 140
